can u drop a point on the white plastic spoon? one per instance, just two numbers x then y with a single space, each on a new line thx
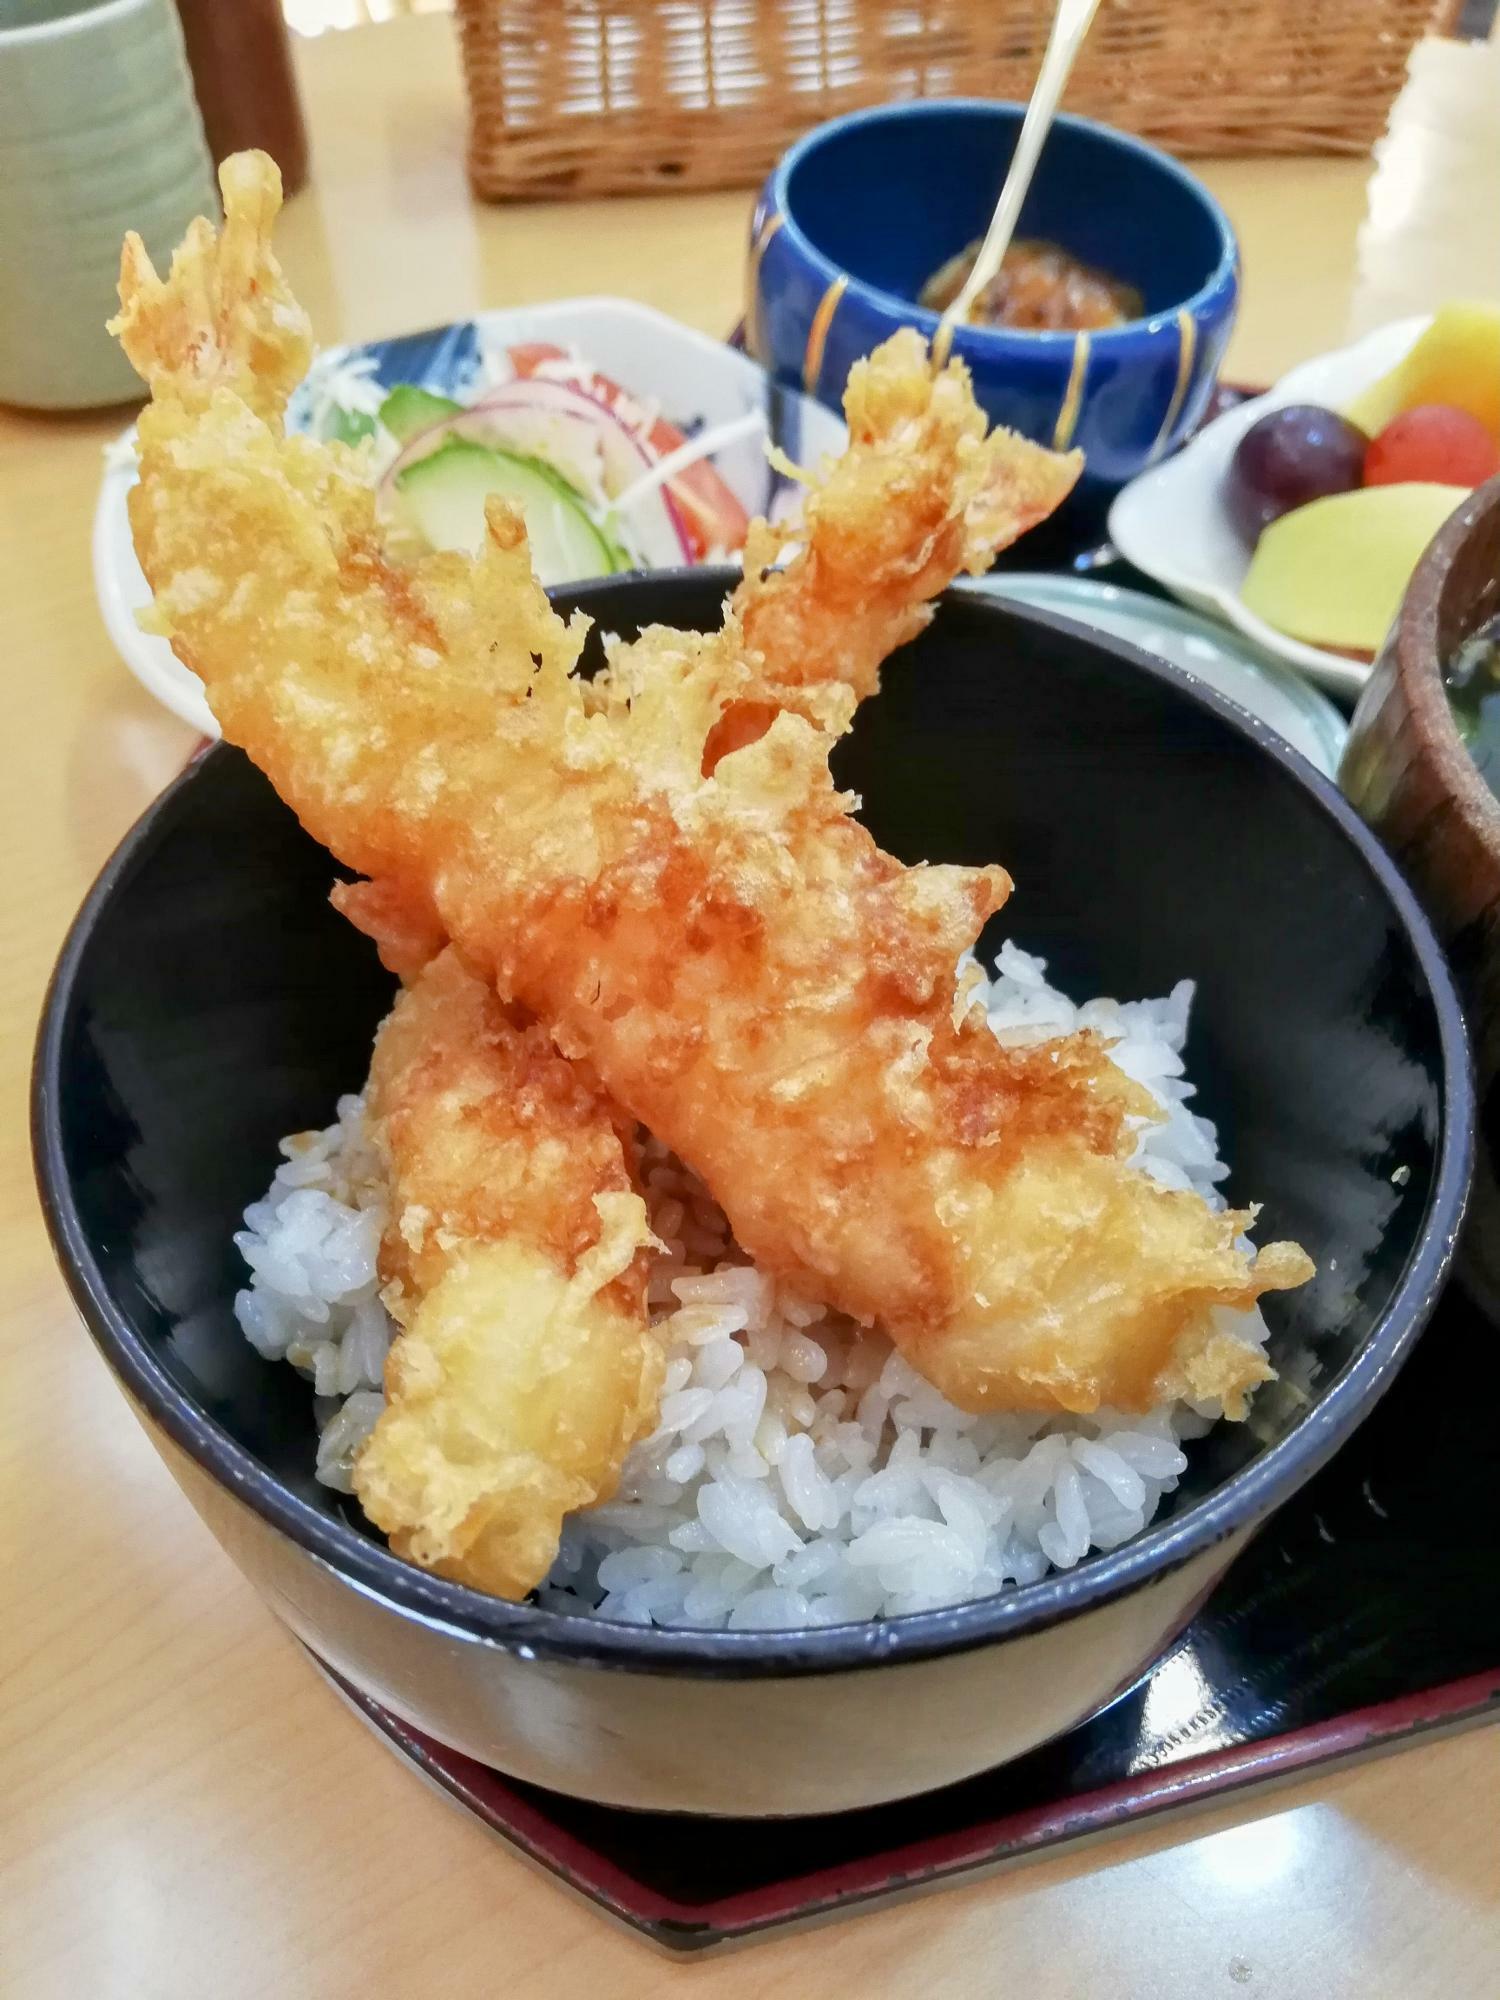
1070 24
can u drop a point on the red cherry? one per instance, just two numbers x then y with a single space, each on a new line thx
1433 442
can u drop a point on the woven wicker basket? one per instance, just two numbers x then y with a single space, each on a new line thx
574 97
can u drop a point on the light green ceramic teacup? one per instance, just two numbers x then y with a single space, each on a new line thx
99 133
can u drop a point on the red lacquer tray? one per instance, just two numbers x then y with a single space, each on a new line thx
1363 1618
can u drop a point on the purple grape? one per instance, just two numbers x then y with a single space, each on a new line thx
1289 457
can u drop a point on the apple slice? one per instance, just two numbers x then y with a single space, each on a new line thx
1333 573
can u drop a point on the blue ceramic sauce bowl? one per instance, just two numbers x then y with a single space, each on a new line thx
858 215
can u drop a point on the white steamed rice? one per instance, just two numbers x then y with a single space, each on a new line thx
801 1472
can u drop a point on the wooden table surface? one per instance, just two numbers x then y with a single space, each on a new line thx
185 1809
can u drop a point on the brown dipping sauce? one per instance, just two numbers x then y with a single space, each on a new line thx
1040 288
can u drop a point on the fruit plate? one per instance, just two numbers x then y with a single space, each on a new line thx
1172 522
670 369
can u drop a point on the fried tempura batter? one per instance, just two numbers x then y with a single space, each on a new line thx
920 494
504 1411
515 1262
745 971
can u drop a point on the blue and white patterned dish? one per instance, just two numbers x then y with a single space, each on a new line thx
690 379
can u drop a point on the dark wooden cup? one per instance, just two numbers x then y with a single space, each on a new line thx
1409 773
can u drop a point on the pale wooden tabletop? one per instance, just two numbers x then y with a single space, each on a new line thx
185 1810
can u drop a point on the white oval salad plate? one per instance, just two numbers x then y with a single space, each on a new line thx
1281 699
630 441
1173 524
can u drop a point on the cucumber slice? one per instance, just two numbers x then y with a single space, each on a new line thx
445 495
349 427
408 409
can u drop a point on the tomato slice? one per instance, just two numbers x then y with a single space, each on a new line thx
711 516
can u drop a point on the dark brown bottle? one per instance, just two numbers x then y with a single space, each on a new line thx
241 59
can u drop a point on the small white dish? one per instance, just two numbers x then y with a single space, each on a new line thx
692 380
1198 645
1172 522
